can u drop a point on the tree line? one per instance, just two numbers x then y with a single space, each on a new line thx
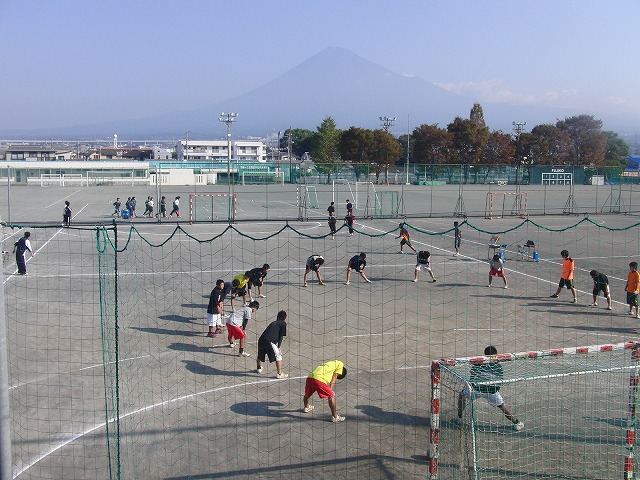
578 140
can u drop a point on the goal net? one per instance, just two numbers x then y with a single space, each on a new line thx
212 207
502 204
578 407
387 204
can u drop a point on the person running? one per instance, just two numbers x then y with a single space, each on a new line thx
256 278
270 342
349 219
237 324
66 214
20 248
314 262
423 263
497 269
485 382
566 280
632 287
239 287
148 211
600 284
457 238
357 263
163 207
116 207
322 380
404 233
176 207
215 309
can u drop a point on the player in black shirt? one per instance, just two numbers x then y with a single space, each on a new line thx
357 263
269 344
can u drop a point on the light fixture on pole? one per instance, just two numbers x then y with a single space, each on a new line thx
228 119
387 122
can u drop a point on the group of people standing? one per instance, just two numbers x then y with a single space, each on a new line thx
149 204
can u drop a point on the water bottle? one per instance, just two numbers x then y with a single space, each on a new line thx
536 258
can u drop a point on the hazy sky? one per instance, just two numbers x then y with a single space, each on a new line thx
82 61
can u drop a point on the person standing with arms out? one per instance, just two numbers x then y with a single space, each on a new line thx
176 207
20 248
314 262
497 269
348 220
480 377
423 263
116 207
457 238
66 214
270 342
600 284
215 309
566 280
357 263
404 233
163 207
322 380
237 324
632 287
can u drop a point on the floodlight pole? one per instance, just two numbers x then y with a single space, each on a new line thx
518 128
387 123
228 119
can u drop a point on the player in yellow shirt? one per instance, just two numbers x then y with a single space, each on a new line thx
633 287
322 380
239 287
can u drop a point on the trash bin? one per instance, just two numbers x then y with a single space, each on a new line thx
125 214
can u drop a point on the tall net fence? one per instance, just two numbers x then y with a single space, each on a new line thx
112 374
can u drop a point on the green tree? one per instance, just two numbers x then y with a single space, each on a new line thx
545 145
324 147
469 139
618 151
386 150
431 144
589 142
301 140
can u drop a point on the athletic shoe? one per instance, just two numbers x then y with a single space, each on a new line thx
282 375
211 334
262 295
575 300
594 304
244 354
308 409
518 426
415 279
609 308
400 251
251 299
554 296
259 370
337 419
506 286
489 285
637 315
231 345
434 281
321 283
368 281
305 285
630 313
349 283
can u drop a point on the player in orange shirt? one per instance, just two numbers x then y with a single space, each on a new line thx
404 233
568 267
632 286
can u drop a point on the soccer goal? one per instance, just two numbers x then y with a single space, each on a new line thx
212 207
497 204
387 204
578 406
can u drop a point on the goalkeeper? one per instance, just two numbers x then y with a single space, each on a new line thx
491 391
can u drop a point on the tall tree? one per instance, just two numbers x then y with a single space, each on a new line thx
545 145
324 146
301 140
500 149
468 140
477 116
618 151
589 142
431 144
386 151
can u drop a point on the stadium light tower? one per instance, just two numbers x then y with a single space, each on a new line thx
229 119
387 122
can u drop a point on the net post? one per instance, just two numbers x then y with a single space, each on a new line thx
434 426
632 414
5 411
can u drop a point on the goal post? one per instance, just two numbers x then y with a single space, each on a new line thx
497 204
212 207
387 204
578 406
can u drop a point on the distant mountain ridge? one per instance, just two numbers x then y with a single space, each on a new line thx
335 82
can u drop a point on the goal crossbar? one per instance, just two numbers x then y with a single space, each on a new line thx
210 207
496 204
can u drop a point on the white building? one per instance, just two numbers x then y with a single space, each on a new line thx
216 151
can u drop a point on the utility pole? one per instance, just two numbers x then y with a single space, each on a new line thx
186 146
229 119
408 139
290 154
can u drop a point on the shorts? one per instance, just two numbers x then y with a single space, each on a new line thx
565 283
598 287
404 241
214 319
315 385
257 282
235 332
354 267
494 272
423 266
632 299
493 399
238 292
270 350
